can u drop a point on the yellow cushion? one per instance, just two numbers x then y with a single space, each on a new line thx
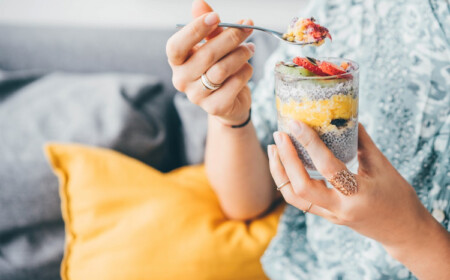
125 220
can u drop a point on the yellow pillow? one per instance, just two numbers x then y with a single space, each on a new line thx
125 220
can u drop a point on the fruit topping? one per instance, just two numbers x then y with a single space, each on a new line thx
344 65
330 68
294 69
312 60
324 68
307 31
309 65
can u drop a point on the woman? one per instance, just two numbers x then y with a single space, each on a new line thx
403 50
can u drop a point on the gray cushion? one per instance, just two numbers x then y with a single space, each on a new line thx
129 113
194 123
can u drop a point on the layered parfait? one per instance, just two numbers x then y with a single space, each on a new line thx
323 93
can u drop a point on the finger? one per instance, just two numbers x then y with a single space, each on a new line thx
238 109
230 64
280 177
200 7
216 48
218 102
179 45
366 144
194 49
221 101
369 156
324 160
182 78
303 186
194 68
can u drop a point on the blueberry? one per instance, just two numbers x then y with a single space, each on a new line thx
339 122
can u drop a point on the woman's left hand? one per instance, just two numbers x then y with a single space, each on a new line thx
385 206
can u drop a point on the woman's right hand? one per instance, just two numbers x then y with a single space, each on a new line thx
224 60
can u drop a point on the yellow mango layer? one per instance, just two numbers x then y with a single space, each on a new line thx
319 113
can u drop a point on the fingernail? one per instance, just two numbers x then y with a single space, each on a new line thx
251 47
277 137
270 151
212 18
248 22
296 128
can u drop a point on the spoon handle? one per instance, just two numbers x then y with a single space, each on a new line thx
234 25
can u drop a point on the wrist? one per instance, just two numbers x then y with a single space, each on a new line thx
428 238
238 121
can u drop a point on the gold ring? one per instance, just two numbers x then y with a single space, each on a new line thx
345 182
207 84
309 208
282 185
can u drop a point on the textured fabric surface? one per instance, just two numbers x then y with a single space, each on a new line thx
125 220
129 113
403 49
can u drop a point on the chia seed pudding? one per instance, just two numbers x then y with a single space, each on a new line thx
328 104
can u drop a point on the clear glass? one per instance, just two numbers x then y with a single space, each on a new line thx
327 104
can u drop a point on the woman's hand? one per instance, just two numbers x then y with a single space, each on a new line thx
223 59
385 207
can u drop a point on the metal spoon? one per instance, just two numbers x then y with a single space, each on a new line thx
274 33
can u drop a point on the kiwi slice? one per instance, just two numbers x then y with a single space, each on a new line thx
330 82
293 69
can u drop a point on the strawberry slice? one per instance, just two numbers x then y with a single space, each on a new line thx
308 65
330 68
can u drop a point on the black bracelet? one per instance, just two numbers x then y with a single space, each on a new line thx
246 122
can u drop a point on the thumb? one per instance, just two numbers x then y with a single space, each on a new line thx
200 7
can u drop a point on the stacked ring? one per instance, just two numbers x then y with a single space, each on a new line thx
207 84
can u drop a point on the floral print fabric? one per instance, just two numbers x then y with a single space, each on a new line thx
403 48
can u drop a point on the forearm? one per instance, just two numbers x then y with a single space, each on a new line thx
427 254
238 170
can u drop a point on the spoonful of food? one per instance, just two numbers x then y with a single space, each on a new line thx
300 32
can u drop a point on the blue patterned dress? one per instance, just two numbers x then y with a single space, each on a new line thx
403 48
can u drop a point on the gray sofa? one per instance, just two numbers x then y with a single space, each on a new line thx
104 87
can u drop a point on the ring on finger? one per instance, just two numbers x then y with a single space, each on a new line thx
309 208
282 185
207 84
